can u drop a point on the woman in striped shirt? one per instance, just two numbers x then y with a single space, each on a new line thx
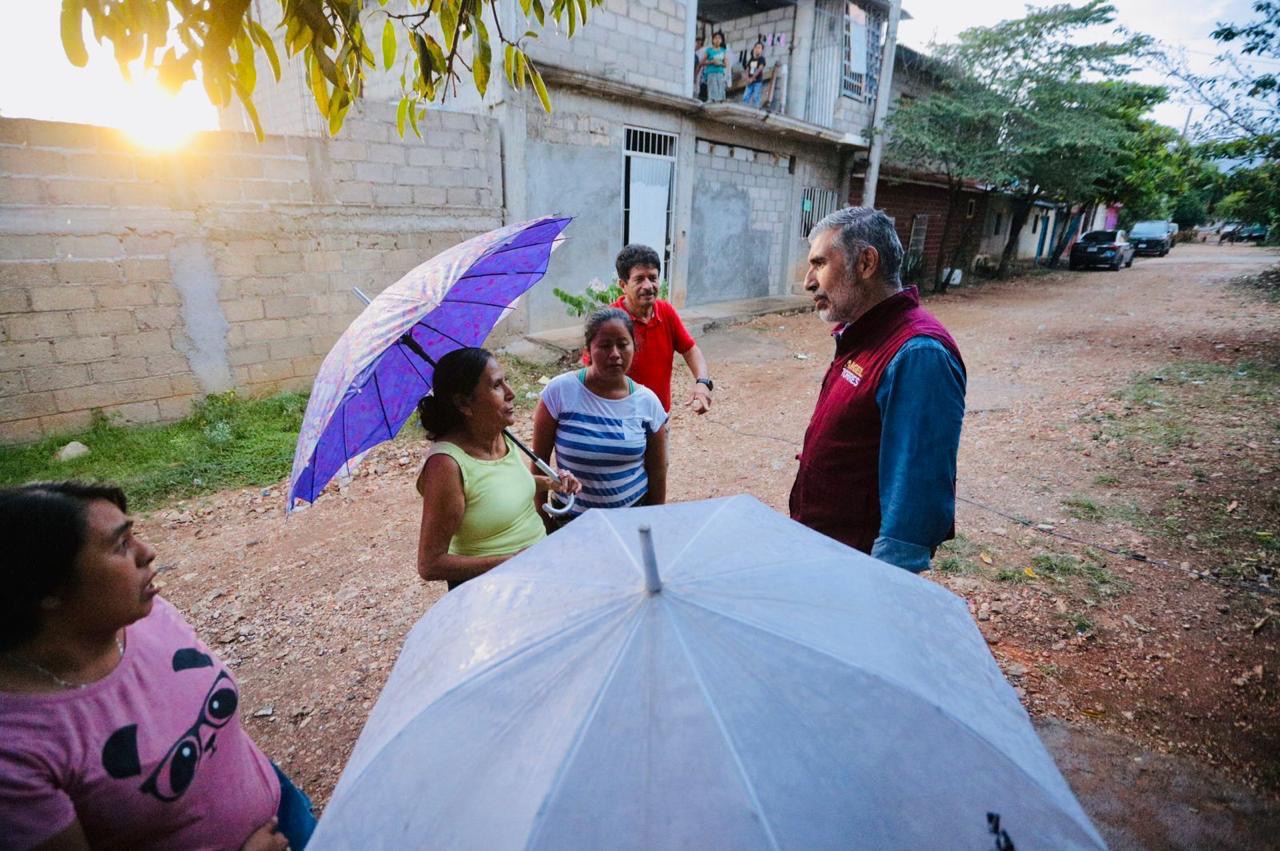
610 432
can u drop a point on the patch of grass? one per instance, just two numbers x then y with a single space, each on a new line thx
1015 576
1080 622
1266 285
1106 480
1082 508
958 557
523 377
1062 567
225 442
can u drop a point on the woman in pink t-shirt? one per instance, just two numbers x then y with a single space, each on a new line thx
118 726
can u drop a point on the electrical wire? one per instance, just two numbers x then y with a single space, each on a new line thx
1257 588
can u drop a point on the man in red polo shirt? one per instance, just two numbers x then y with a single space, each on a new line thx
659 331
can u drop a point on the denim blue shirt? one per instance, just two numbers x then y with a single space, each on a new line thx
921 401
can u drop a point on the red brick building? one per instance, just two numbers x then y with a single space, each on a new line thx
918 205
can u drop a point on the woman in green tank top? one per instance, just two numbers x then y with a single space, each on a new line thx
477 494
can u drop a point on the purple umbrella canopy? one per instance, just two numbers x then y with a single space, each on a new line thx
372 378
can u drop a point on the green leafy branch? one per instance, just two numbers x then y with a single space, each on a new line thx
217 41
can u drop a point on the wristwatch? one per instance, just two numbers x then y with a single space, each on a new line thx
711 385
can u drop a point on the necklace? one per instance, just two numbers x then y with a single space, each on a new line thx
51 675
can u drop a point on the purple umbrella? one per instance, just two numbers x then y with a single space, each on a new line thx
373 377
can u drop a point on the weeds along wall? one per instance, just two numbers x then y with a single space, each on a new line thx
135 282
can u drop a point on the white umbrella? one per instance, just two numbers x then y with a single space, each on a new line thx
778 690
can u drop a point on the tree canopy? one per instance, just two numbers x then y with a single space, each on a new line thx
339 41
1032 108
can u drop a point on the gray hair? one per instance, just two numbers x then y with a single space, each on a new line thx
860 227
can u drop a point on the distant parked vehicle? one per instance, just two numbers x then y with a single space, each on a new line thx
1110 248
1153 237
1227 233
1251 233
1173 234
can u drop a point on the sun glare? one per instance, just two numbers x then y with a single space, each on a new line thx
156 119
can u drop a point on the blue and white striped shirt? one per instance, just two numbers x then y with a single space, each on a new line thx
603 441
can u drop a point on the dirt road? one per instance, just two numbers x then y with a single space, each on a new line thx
1130 410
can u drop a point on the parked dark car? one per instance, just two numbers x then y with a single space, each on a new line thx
1227 233
1251 233
1152 238
1110 248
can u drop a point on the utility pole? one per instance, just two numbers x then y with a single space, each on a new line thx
883 85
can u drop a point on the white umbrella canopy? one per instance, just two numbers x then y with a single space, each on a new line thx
779 691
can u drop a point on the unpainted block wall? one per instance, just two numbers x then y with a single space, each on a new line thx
740 202
639 42
135 282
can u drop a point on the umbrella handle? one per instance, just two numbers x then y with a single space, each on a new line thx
558 511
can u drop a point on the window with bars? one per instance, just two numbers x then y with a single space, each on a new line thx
862 51
815 205
651 142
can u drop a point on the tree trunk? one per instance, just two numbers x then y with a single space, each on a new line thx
1021 210
940 283
958 256
1060 244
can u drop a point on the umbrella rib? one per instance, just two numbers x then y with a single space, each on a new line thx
490 668
473 301
444 334
581 732
675 560
400 347
377 386
887 680
724 730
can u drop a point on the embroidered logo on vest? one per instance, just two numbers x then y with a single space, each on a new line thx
852 373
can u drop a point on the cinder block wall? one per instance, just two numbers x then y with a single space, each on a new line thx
639 42
135 282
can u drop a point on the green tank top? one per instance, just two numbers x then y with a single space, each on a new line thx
500 517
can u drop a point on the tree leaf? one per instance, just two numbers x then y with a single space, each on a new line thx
482 57
402 115
509 64
413 121
263 39
72 35
448 23
338 106
540 88
539 13
319 90
389 47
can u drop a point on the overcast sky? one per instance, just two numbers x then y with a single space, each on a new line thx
36 80
1181 23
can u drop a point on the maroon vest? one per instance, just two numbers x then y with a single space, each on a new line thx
837 488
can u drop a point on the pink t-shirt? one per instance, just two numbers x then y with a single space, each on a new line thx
150 756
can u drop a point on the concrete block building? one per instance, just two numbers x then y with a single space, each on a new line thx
725 192
134 282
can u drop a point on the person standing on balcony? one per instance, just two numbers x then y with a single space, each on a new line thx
699 69
755 76
878 466
717 68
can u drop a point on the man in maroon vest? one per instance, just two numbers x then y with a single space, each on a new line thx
878 467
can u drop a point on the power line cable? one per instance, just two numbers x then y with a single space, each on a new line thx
1259 587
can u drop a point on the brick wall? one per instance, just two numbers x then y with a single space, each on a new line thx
639 42
903 201
134 282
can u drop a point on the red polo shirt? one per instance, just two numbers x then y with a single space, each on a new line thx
657 341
